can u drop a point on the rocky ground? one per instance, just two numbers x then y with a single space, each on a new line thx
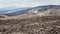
36 25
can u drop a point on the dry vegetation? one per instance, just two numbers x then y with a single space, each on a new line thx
36 25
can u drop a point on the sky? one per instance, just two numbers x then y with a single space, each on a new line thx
27 3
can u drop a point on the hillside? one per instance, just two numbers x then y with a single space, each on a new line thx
37 20
32 14
20 11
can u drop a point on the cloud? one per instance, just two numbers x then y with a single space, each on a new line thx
19 3
26 3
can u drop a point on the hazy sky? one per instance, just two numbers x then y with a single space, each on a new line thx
27 3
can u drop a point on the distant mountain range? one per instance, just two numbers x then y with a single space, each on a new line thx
11 10
18 11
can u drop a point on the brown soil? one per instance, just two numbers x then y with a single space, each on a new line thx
36 25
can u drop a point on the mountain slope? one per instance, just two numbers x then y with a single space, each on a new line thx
49 10
19 11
